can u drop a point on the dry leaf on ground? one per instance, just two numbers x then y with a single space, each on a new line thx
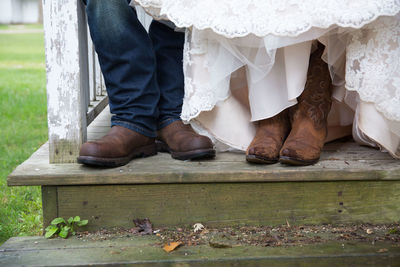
145 226
171 246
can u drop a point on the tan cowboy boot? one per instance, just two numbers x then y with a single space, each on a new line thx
183 143
309 117
117 148
269 138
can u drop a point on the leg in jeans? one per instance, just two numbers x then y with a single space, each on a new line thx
128 63
168 48
174 137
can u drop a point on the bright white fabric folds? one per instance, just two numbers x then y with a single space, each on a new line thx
247 60
238 18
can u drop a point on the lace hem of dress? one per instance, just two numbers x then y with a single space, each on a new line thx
198 97
373 68
203 100
290 18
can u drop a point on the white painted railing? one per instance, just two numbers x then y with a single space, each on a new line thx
75 86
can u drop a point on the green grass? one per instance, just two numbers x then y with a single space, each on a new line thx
23 127
21 26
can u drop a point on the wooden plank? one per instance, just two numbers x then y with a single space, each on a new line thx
233 203
98 101
227 167
103 83
104 122
50 209
96 107
100 88
67 71
103 117
340 160
99 130
143 251
92 70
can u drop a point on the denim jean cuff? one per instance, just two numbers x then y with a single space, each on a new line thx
166 122
134 127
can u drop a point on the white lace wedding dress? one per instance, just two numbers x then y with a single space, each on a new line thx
247 60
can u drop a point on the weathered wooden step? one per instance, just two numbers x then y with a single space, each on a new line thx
146 251
350 184
227 203
340 161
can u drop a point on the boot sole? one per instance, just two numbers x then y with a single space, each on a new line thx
260 160
205 153
296 162
141 152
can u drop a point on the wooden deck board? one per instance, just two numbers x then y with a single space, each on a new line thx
144 251
227 167
297 203
341 160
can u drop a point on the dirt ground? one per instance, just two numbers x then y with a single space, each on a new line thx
284 235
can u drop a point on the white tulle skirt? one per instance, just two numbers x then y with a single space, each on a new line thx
246 61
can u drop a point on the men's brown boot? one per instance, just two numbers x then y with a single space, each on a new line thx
269 138
183 143
117 148
309 117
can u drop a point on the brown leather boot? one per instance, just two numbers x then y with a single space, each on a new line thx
183 143
269 138
309 117
117 148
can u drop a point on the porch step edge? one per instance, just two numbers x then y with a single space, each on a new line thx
340 161
145 251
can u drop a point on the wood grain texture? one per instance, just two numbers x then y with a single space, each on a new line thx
96 107
50 208
348 162
143 251
67 73
233 203
98 100
75 85
340 160
92 70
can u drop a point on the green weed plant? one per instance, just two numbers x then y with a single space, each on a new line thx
64 228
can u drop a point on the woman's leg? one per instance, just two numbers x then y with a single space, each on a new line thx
309 117
271 98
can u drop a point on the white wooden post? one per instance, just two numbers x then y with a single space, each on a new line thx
67 77
75 84
100 87
92 70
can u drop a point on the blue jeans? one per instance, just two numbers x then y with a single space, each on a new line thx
142 71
